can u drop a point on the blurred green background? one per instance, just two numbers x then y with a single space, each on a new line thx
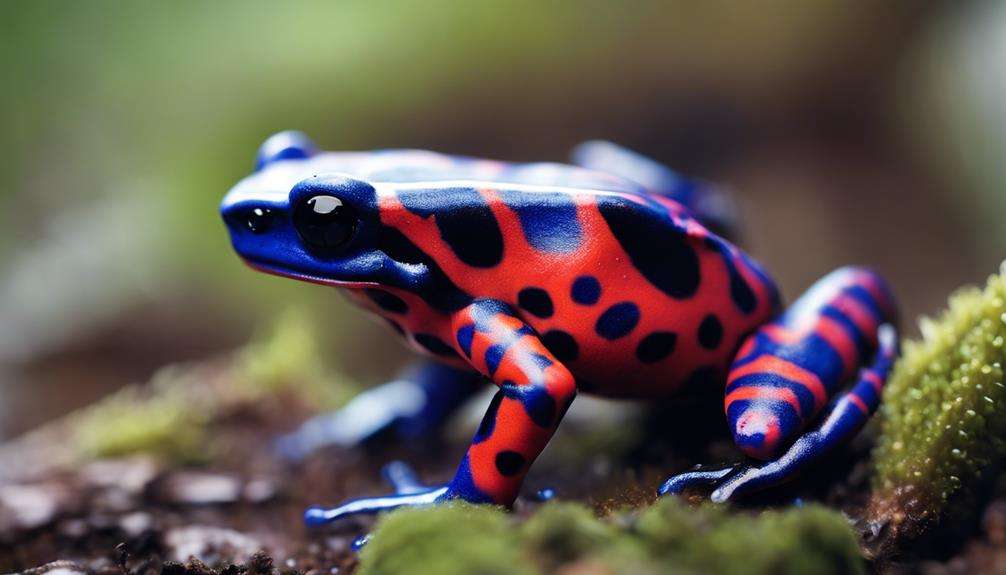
850 132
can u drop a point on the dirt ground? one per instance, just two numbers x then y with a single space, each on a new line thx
241 511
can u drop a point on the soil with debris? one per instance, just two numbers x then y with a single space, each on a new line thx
241 512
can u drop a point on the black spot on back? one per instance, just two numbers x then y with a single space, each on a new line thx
740 292
387 301
703 379
439 291
434 344
710 332
509 463
744 298
586 290
561 344
618 320
535 301
465 221
656 346
659 251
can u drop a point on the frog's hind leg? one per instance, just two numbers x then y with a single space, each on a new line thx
707 203
787 370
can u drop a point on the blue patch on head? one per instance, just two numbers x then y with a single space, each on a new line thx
549 220
289 145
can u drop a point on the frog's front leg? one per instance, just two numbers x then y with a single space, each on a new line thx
535 392
412 406
786 371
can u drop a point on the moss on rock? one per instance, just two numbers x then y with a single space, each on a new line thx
943 417
452 539
710 539
670 536
564 532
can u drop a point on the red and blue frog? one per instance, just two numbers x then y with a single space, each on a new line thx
613 277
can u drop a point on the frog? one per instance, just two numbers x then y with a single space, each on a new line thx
612 276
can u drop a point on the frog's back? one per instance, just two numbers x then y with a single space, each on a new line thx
632 294
405 166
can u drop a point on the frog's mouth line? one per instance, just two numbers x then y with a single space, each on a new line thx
306 277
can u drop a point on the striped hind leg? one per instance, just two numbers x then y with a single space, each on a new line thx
788 369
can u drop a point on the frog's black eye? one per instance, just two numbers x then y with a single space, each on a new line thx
324 222
258 220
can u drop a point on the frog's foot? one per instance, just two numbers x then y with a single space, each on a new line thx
728 483
408 492
700 476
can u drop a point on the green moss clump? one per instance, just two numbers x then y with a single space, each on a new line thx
563 532
669 537
166 421
943 421
170 416
287 357
454 539
709 539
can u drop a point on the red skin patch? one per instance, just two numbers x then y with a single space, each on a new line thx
790 371
611 366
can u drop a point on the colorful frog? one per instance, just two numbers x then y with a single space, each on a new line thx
549 280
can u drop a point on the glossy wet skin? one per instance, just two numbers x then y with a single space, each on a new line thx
549 280
632 295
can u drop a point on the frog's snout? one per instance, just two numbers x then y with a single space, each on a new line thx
256 220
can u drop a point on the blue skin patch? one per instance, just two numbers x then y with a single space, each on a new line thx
539 405
549 220
289 145
489 419
494 355
465 337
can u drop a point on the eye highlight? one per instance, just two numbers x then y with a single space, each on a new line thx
324 222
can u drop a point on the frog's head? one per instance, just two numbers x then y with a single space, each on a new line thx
289 218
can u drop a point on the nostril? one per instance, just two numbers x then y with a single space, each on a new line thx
258 220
